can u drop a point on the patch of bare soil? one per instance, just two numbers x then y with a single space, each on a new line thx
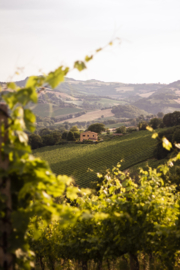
90 116
146 94
124 88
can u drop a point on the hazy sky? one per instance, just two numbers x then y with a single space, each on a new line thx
39 35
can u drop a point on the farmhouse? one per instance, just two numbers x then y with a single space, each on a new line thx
88 135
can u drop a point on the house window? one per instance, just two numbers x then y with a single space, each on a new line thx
83 135
93 135
88 135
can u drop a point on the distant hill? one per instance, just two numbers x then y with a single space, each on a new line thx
93 95
127 111
165 99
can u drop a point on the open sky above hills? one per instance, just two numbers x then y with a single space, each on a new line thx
39 35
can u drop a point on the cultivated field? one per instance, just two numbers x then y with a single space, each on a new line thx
76 159
90 116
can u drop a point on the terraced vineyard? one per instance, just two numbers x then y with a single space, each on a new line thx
75 159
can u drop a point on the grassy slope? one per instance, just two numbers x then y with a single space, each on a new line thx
75 159
45 110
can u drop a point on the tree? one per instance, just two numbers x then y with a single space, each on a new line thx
44 131
108 131
74 129
48 140
64 135
56 135
70 136
121 129
155 123
97 127
172 119
76 135
35 141
142 125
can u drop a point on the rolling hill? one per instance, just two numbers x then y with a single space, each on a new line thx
73 96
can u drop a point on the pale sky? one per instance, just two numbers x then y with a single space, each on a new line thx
40 35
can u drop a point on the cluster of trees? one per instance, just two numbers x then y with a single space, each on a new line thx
47 137
121 129
172 119
97 127
127 111
161 121
155 121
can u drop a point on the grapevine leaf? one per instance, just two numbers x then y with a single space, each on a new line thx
155 135
79 65
57 76
149 128
88 58
11 85
166 144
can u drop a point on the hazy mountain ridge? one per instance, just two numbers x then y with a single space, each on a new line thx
94 95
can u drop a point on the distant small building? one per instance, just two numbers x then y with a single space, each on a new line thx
88 135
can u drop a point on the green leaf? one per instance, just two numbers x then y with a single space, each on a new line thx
149 128
155 135
23 138
166 144
177 145
72 193
35 81
29 119
57 76
12 85
88 58
79 65
25 95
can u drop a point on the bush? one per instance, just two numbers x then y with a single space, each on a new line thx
74 129
108 131
155 122
76 135
121 129
44 131
64 135
48 140
70 136
130 130
142 125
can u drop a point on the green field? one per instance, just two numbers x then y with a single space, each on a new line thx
75 159
46 110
